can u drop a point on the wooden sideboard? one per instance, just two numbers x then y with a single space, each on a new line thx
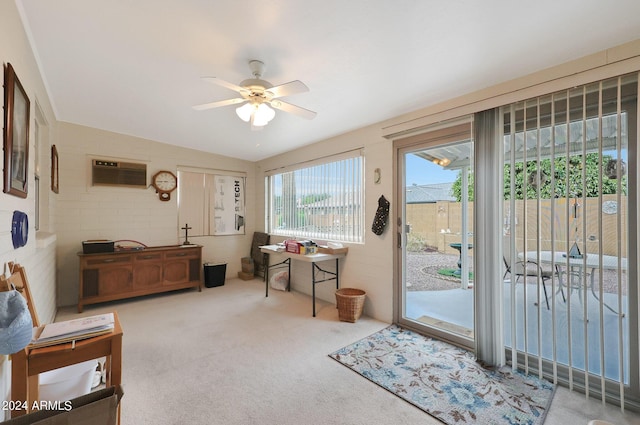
125 274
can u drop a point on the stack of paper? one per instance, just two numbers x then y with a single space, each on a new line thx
72 330
274 248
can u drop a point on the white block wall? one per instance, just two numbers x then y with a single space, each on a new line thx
38 255
87 212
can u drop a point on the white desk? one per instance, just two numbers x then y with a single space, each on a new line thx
575 265
310 258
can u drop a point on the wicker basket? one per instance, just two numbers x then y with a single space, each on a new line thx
350 302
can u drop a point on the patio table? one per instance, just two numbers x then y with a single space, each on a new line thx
576 265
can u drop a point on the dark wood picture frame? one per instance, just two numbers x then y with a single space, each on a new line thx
16 135
55 178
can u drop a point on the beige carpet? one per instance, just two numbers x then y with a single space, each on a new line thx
228 356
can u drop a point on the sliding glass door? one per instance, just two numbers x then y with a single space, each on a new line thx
436 238
569 212
553 290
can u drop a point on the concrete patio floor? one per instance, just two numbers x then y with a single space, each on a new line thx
455 306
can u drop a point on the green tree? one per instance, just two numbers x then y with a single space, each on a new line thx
456 188
312 199
564 174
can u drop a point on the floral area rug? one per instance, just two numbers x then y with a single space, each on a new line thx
446 381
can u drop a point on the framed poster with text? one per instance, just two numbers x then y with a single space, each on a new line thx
228 205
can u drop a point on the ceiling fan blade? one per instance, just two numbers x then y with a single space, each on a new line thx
287 89
218 104
293 109
224 83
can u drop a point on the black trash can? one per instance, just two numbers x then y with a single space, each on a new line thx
214 274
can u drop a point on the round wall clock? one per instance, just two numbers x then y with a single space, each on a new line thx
164 183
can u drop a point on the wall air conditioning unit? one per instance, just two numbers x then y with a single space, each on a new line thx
118 173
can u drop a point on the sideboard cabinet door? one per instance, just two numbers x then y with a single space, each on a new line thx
118 275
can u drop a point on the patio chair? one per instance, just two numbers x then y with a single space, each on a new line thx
529 268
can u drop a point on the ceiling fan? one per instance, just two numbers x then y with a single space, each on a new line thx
259 95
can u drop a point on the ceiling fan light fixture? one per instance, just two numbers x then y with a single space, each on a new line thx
259 114
245 111
262 115
260 97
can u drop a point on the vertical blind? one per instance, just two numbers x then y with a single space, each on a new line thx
318 200
193 202
566 210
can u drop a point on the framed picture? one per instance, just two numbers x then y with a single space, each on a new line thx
229 202
55 179
16 134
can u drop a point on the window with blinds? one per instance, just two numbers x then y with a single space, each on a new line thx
319 200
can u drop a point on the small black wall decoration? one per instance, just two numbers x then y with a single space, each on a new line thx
382 214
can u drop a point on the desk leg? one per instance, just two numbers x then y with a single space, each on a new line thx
277 265
265 265
265 272
33 390
116 362
337 274
266 280
313 287
289 275
115 371
19 383
315 267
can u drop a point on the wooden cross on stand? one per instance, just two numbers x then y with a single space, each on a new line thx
186 234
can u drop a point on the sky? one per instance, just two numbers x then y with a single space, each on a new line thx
420 171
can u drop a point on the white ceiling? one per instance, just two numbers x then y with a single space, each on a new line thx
135 66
